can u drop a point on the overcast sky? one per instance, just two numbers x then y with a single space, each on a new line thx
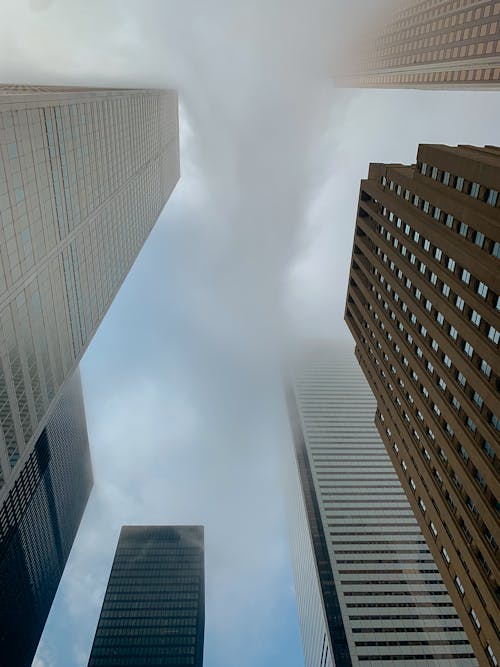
185 417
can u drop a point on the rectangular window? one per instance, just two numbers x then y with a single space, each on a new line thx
492 198
479 239
474 190
482 290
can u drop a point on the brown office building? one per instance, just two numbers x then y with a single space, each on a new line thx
423 305
449 44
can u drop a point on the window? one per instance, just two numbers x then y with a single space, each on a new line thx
463 229
438 253
439 318
494 335
12 150
491 656
495 251
461 378
451 264
492 198
459 302
446 178
422 506
475 619
449 220
474 190
437 213
445 289
433 529
444 554
475 318
434 173
478 400
471 424
413 485
425 207
488 449
468 349
464 453
458 584
495 422
453 333
482 289
465 276
479 239
485 368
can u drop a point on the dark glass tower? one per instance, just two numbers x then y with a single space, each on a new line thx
38 523
154 608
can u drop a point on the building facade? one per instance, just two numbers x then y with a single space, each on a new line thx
382 599
154 608
84 175
450 44
38 524
423 306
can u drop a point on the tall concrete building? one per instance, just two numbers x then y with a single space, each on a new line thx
368 590
154 608
84 175
449 44
423 305
38 523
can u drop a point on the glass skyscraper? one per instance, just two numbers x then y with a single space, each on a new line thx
38 523
154 608
84 175
368 590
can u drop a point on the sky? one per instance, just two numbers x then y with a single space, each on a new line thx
185 414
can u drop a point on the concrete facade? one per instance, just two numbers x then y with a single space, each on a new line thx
423 305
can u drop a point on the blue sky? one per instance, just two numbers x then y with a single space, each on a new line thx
184 410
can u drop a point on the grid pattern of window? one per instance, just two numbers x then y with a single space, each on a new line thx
154 608
423 305
390 596
84 174
38 523
433 44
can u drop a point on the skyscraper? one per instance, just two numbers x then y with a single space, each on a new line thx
84 175
372 593
154 608
38 523
436 44
423 305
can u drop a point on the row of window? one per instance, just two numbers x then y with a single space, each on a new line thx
412 484
430 433
444 552
432 343
443 357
